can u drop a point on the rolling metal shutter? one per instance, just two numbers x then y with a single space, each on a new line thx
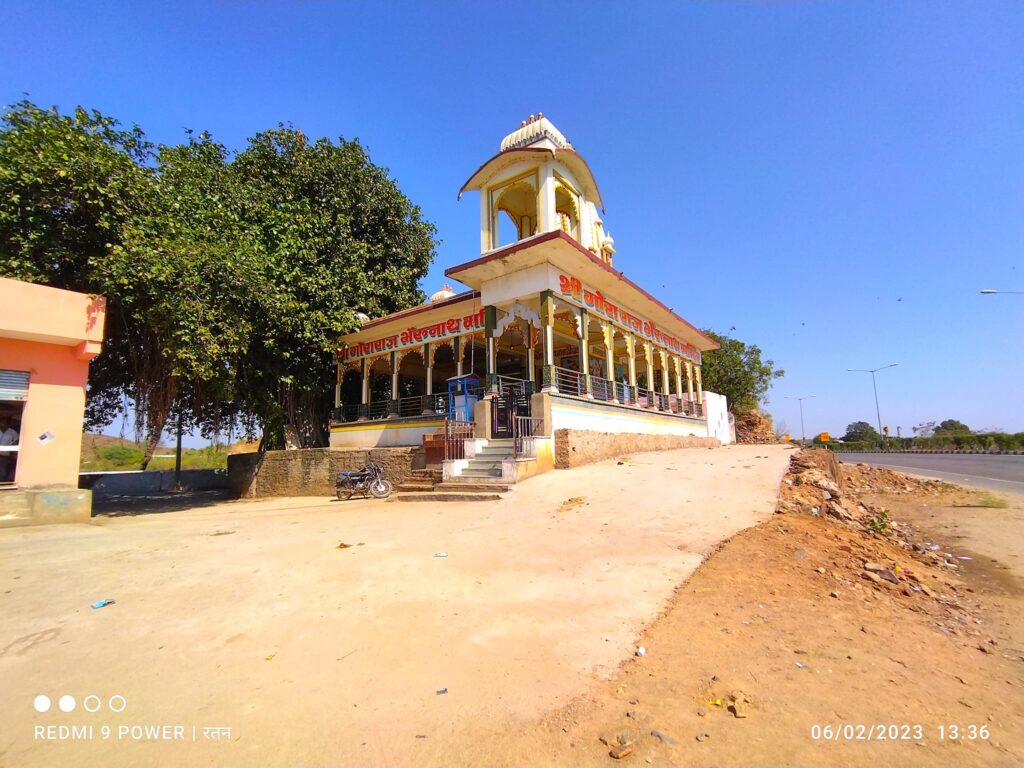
13 385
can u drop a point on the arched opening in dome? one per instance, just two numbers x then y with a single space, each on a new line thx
514 209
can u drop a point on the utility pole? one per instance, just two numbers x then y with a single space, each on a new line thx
803 436
874 386
177 457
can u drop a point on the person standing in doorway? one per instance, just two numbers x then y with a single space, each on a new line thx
8 459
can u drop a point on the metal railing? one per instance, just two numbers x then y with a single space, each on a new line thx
602 389
525 431
570 382
510 385
456 432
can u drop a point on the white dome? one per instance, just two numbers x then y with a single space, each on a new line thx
446 292
535 130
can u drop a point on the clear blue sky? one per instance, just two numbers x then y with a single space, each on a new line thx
836 180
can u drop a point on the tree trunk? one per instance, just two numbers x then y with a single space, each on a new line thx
152 441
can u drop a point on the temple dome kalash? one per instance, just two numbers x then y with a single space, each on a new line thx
446 292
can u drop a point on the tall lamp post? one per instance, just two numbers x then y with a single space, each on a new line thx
803 437
874 386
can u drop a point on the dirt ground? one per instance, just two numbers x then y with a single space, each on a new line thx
778 635
438 632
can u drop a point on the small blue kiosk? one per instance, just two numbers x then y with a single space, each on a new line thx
463 392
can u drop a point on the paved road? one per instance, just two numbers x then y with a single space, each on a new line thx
996 473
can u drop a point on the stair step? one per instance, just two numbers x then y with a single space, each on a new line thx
415 487
477 484
477 473
448 497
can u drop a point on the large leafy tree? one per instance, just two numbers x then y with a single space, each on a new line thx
952 427
737 371
228 279
336 237
860 431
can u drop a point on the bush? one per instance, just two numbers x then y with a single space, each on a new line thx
120 454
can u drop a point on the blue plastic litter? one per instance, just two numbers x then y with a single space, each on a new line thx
103 603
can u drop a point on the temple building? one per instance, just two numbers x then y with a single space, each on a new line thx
549 334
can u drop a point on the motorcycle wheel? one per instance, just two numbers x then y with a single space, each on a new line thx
380 489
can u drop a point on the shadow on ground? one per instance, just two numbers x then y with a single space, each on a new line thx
130 505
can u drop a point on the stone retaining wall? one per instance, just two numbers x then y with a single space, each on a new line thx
574 447
308 471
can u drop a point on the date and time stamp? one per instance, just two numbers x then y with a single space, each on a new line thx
899 732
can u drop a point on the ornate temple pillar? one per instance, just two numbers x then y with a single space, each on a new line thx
531 364
364 391
428 401
490 323
631 351
609 356
457 349
649 356
547 323
664 372
679 382
700 386
395 362
585 353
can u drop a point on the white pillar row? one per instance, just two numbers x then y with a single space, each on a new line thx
664 372
700 385
679 378
689 380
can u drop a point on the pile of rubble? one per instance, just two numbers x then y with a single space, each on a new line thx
861 478
887 556
817 483
755 428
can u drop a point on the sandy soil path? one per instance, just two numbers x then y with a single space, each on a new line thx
247 615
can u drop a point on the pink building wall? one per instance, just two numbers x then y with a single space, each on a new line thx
52 334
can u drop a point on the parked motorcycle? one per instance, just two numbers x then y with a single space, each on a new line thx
368 480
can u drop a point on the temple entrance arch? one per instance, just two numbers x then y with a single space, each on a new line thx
350 392
474 355
412 381
443 367
378 374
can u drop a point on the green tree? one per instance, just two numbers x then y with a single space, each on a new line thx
336 237
228 279
737 371
951 427
860 431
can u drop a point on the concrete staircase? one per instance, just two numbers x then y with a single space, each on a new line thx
428 485
486 465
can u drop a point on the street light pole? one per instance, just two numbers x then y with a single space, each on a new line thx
803 436
874 386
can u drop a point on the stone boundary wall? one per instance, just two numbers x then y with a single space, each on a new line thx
151 481
575 447
308 471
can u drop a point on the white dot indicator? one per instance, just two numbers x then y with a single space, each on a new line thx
42 703
122 703
92 703
66 703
